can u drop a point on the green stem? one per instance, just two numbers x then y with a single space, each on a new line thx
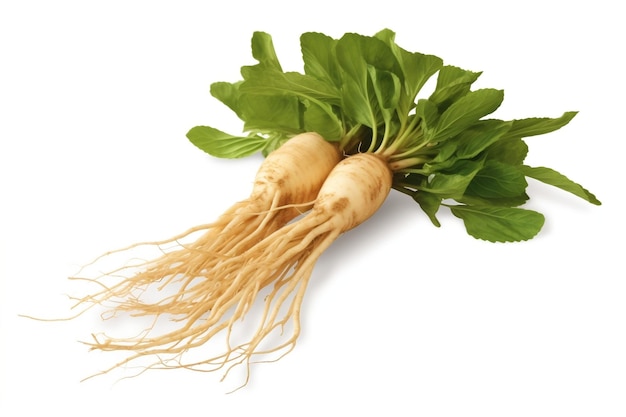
353 135
372 146
403 164
412 171
409 152
386 137
405 136
403 189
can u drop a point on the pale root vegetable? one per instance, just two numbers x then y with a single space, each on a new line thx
285 186
354 190
363 93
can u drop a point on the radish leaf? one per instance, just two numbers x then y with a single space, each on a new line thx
318 55
263 50
556 179
452 83
223 145
538 126
499 224
466 111
497 180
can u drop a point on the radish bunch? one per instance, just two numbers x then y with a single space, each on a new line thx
338 138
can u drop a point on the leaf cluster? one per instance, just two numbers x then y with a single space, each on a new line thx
274 105
481 176
363 92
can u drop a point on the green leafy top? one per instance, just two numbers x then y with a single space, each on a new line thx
363 92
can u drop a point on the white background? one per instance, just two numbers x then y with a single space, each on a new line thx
401 318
